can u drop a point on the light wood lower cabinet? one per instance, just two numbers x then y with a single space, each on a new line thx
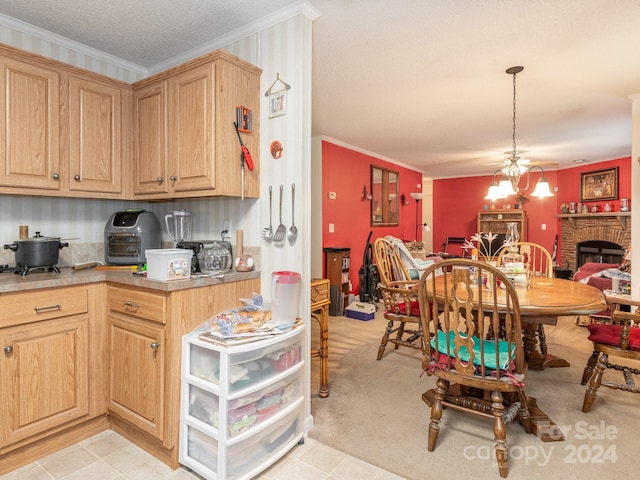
137 375
137 357
76 360
44 367
145 350
44 379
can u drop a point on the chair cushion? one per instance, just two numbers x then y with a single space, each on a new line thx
415 308
489 350
610 335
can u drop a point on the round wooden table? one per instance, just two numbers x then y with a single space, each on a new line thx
542 300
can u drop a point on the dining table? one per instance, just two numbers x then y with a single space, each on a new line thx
544 300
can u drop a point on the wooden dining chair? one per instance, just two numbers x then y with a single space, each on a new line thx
399 295
537 261
618 339
476 373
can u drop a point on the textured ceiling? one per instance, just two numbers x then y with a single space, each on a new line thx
420 82
145 32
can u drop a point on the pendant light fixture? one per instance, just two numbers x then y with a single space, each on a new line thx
513 170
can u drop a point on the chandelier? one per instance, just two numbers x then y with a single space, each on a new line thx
513 171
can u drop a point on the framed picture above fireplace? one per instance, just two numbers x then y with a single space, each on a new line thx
599 185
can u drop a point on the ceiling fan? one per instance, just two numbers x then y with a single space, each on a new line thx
509 157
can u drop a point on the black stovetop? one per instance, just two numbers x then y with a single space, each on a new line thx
24 270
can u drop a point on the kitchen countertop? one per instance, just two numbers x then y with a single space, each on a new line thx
68 276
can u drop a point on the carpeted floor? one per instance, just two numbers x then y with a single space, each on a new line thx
375 413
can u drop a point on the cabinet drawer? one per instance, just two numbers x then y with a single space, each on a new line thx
138 303
37 305
319 291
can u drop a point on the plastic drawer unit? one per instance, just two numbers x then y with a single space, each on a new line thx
241 407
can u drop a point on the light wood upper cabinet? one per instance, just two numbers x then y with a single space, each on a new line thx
95 137
185 141
69 132
150 139
29 125
43 377
191 97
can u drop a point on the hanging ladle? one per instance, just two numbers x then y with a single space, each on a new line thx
292 234
267 233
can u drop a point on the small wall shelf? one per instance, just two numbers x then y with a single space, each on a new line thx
620 216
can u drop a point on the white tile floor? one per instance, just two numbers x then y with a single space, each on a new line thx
108 456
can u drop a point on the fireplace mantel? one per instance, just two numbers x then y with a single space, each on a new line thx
620 216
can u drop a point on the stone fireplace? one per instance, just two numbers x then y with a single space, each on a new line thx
605 229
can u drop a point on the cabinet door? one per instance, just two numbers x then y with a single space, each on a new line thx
137 374
43 377
191 153
29 126
150 139
95 137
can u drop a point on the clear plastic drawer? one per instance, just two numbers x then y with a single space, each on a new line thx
251 410
248 368
202 448
205 364
203 405
249 454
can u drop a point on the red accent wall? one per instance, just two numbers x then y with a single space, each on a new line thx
457 201
345 172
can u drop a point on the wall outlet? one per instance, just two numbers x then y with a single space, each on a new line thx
226 225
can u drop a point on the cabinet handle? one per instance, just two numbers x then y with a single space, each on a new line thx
160 180
76 178
173 178
131 304
8 349
56 176
155 345
44 309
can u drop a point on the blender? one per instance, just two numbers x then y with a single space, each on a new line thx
179 224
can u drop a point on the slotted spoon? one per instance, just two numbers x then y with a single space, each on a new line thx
267 233
292 234
282 230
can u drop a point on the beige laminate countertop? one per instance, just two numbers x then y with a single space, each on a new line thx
68 276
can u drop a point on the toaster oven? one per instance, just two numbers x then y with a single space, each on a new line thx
128 234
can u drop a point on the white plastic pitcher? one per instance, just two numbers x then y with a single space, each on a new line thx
285 296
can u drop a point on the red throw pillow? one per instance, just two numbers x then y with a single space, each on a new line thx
610 335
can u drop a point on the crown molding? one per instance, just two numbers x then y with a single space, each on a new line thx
279 16
301 7
69 44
